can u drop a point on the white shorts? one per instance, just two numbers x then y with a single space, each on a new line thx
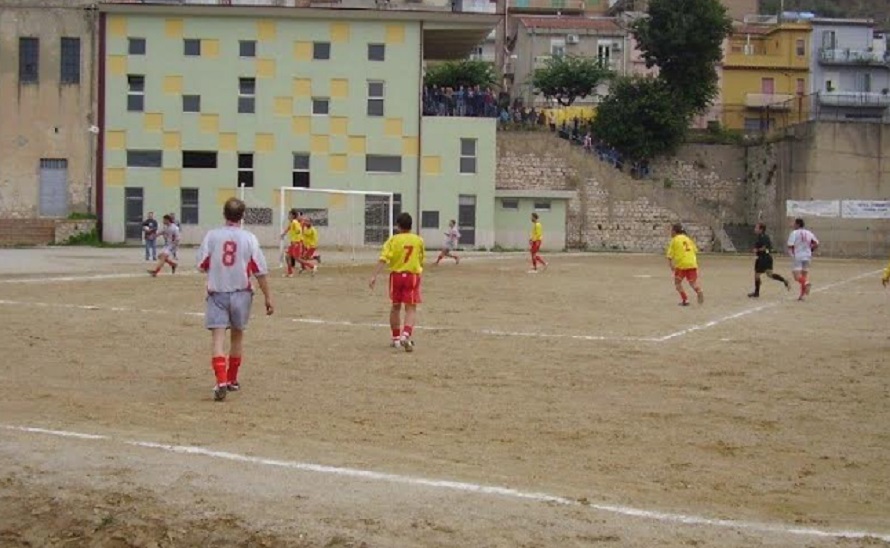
228 310
800 265
168 250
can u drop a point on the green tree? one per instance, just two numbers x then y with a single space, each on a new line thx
568 78
640 118
684 39
466 72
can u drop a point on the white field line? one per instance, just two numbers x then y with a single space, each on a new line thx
754 310
473 488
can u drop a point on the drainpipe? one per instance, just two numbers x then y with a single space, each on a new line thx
91 11
100 152
417 214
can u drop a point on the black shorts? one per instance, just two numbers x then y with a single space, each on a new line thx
763 264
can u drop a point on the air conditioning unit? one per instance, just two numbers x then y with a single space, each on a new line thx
616 46
572 39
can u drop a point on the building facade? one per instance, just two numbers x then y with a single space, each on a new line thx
766 71
198 100
47 82
850 70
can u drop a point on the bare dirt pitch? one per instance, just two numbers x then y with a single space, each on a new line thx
616 417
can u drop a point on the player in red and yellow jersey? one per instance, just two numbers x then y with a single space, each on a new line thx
403 253
310 247
683 261
294 234
885 279
534 242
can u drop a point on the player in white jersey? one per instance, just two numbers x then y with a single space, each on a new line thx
170 232
230 255
452 238
801 244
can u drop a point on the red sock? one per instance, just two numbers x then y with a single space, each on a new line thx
396 333
409 330
219 369
171 263
684 296
234 364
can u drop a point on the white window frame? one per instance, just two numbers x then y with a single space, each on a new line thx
327 101
131 93
510 204
474 156
306 169
247 169
543 206
381 98
557 47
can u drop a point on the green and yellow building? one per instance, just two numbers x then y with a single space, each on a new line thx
196 100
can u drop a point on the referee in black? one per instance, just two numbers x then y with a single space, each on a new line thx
763 247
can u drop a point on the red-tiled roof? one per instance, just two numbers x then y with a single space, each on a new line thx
605 24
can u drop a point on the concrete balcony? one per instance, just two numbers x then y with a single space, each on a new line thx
854 99
847 56
772 101
546 6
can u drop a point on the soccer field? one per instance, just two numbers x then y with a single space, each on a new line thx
577 407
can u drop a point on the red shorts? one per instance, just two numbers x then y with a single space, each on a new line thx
309 252
295 251
690 274
404 288
536 247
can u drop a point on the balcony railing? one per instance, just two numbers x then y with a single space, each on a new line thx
546 6
847 56
854 99
773 101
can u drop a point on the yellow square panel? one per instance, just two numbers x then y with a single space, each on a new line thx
409 146
339 125
153 121
339 33
265 30
303 51
265 68
432 165
338 163
117 65
339 88
228 142
171 177
302 87
357 144
173 85
116 140
117 26
265 142
210 48
395 34
284 106
392 127
302 125
320 144
115 176
209 123
223 195
174 28
172 140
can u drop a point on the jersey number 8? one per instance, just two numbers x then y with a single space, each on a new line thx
229 250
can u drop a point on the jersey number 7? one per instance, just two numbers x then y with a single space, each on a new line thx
409 250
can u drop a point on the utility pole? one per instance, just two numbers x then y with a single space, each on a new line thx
500 40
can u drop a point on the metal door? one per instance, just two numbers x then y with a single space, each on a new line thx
133 213
53 188
466 219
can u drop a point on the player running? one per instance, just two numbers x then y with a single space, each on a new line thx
534 244
683 262
763 247
452 238
294 235
310 247
170 232
230 255
403 253
801 244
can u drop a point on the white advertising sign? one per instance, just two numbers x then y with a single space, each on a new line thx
865 209
813 208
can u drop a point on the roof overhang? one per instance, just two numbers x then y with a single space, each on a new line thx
541 194
446 35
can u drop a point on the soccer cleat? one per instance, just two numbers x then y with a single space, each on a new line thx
684 303
233 387
219 393
173 267
314 270
787 286
318 258
407 343
753 295
395 343
153 273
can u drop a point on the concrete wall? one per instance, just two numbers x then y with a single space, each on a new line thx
45 120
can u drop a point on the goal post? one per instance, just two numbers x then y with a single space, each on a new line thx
346 220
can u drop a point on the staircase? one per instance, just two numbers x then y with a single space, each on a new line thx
26 232
622 186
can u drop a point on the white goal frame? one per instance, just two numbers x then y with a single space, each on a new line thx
282 207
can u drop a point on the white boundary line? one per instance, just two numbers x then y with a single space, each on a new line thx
473 488
749 311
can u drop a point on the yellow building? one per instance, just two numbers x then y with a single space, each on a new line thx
766 73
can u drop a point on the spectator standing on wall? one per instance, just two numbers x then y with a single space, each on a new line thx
150 236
